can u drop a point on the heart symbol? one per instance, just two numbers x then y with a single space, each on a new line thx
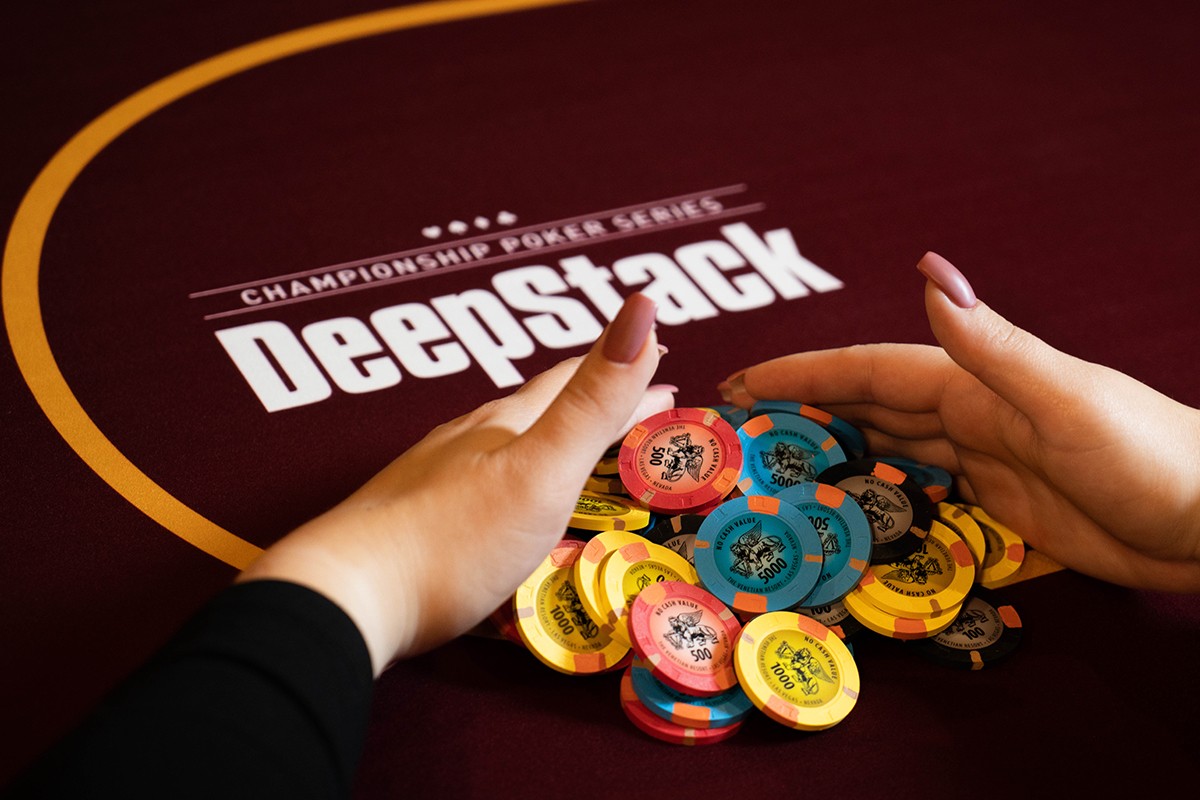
482 223
506 218
432 232
458 226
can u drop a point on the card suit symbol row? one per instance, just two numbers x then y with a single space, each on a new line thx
458 227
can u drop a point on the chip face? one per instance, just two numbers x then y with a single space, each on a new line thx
897 509
629 571
796 671
846 539
685 636
680 459
688 710
553 623
602 512
665 730
985 631
783 450
925 583
758 554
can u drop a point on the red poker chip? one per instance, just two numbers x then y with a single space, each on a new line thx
686 637
650 723
680 459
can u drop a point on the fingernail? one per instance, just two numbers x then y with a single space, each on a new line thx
665 387
726 391
947 278
627 333
663 350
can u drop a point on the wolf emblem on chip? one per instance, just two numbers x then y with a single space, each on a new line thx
682 458
687 632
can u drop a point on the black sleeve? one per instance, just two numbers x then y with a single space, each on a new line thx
265 693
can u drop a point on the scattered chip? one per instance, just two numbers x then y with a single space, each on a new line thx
688 710
1004 550
603 512
896 626
587 568
758 554
630 570
899 512
782 450
650 723
845 538
553 623
833 616
962 523
926 583
685 636
797 671
680 459
985 631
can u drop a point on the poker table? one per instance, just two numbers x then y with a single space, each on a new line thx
257 250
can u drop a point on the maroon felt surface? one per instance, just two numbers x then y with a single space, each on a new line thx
1048 149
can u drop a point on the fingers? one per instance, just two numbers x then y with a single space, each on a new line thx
1016 365
602 395
903 377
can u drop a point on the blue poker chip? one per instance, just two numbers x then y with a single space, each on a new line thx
727 708
936 481
733 415
781 450
758 554
845 535
849 437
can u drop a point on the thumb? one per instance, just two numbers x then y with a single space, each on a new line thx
595 405
1021 368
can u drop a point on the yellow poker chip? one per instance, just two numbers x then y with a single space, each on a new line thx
604 484
604 512
796 671
1005 550
587 568
554 625
934 578
962 523
629 570
896 626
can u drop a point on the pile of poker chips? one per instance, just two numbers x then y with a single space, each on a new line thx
786 534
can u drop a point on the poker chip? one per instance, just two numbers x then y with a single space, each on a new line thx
986 630
935 481
758 554
849 437
603 512
1004 550
736 417
677 533
925 583
896 626
688 710
604 484
685 636
782 450
630 570
680 459
554 625
833 616
897 509
845 538
650 723
962 523
608 463
587 568
796 671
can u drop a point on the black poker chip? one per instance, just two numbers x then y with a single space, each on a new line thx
986 630
897 507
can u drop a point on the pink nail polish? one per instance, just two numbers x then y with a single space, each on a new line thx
947 278
663 350
666 387
627 334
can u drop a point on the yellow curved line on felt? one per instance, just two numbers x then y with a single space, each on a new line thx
22 253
